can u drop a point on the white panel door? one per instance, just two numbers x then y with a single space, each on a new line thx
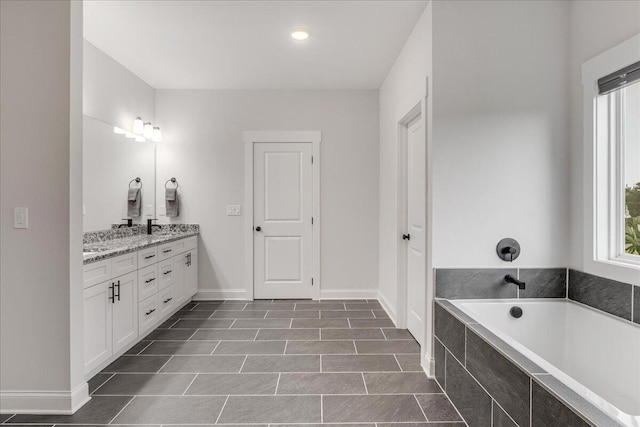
283 201
416 221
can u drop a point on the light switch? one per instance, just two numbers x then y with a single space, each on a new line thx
234 210
162 210
148 210
20 218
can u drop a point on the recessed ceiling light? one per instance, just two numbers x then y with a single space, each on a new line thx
300 35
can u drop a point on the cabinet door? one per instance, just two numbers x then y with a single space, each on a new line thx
191 274
125 313
97 325
179 262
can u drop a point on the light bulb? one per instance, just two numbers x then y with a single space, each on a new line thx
157 135
118 130
129 135
138 126
300 35
140 138
148 130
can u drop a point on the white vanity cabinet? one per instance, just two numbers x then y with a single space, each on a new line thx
125 297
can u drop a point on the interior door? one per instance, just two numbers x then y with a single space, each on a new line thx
416 221
282 192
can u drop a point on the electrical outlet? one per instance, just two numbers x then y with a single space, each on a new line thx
234 210
148 210
162 210
20 218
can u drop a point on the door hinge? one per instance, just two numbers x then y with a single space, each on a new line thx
312 281
311 220
311 159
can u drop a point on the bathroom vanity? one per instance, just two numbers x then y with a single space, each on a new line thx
132 283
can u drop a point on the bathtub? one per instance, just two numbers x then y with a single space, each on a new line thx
594 354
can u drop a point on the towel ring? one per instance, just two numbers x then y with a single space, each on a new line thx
136 179
173 181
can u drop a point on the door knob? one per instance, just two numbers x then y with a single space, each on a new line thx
406 237
258 228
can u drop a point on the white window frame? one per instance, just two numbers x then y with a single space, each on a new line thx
603 169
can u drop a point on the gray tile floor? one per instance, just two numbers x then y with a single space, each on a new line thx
267 363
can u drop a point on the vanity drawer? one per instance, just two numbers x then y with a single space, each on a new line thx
147 256
166 302
124 264
96 272
165 274
147 282
148 315
165 251
184 245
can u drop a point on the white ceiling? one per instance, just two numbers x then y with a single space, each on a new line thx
247 44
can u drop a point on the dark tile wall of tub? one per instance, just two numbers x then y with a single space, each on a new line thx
548 411
636 304
457 283
604 294
543 282
492 388
507 384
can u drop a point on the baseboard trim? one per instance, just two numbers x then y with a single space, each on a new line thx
348 294
220 294
391 312
428 364
44 402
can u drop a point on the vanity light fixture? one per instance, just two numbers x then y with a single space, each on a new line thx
138 126
129 135
157 135
300 35
118 130
140 138
148 130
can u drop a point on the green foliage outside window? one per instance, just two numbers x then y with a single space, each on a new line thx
632 220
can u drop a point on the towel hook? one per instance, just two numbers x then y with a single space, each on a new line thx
136 179
173 181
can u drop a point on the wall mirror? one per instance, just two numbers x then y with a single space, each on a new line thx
110 162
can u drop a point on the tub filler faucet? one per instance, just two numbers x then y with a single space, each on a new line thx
510 279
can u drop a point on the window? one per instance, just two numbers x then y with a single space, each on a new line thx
617 166
629 146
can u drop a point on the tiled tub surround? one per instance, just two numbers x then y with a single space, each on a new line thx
99 245
616 298
339 363
502 371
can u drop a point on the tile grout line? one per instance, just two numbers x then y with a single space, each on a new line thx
97 388
162 367
214 348
366 389
422 410
222 409
243 362
398 362
278 383
190 384
321 409
121 410
145 347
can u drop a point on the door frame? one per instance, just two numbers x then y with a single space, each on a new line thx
250 138
402 206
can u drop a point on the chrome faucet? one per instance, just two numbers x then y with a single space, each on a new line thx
510 279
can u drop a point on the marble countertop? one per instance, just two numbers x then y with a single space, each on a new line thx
104 249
